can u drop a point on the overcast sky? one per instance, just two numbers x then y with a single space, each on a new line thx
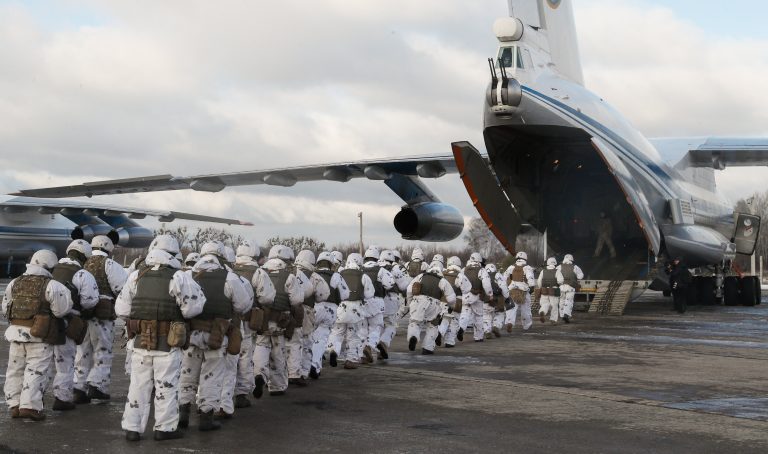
95 89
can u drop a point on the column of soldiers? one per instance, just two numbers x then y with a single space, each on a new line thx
215 327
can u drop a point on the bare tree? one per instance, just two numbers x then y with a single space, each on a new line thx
480 239
298 243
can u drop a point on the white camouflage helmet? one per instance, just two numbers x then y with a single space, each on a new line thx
397 255
192 257
338 256
454 261
439 258
417 254
212 248
281 252
166 243
229 254
80 246
248 248
522 255
373 252
103 242
552 262
355 259
476 257
491 268
327 257
568 258
306 259
44 258
388 256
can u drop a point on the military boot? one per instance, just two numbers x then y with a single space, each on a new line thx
15 412
460 335
368 354
333 359
60 405
81 397
424 351
258 390
34 415
130 435
509 328
95 393
439 340
567 318
350 365
496 332
382 350
412 343
161 435
184 415
207 423
313 373
241 401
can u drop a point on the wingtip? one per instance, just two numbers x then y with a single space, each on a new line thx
249 224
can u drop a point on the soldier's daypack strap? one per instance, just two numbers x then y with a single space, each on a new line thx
64 273
373 273
414 268
569 275
279 278
430 286
354 280
152 300
28 298
217 305
245 271
549 278
327 275
96 265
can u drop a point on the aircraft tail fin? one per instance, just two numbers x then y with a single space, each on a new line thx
554 20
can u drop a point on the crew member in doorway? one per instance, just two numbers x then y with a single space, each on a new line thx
604 234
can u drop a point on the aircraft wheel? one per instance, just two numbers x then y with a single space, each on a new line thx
758 290
666 293
692 293
706 289
748 291
731 291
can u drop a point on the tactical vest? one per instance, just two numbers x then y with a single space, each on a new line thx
494 284
217 305
96 265
64 272
414 268
327 275
28 297
373 274
518 274
282 299
569 275
245 271
308 301
354 280
152 301
450 275
473 274
430 286
549 278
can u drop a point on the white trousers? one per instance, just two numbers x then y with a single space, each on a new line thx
93 361
492 318
151 369
128 359
549 305
269 359
566 302
415 327
325 317
299 347
202 374
345 341
472 314
27 375
449 328
64 362
238 372
525 313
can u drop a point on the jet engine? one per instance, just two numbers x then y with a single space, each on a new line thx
429 222
133 237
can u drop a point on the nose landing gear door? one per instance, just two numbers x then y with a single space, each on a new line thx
746 233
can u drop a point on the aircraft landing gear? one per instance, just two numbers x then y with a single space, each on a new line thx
731 291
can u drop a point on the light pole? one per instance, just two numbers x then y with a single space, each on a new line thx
750 203
360 216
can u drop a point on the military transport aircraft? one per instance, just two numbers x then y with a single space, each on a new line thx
557 156
29 224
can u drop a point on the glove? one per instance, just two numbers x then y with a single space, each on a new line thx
450 310
530 290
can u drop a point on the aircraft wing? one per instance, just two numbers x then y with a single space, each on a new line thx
71 207
382 169
719 153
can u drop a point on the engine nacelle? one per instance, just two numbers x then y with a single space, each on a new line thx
87 232
429 222
133 237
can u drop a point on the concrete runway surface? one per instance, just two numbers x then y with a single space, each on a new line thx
650 381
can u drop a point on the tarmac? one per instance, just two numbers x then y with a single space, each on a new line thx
649 381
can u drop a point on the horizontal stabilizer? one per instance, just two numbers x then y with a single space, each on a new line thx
719 153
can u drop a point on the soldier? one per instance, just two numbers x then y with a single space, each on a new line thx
549 282
345 340
393 301
373 309
325 311
300 345
85 295
338 258
495 308
571 275
521 281
417 265
476 287
449 326
34 304
203 364
93 362
155 302
246 265
190 260
282 316
604 234
679 280
424 295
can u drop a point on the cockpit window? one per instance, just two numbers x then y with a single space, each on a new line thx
508 55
